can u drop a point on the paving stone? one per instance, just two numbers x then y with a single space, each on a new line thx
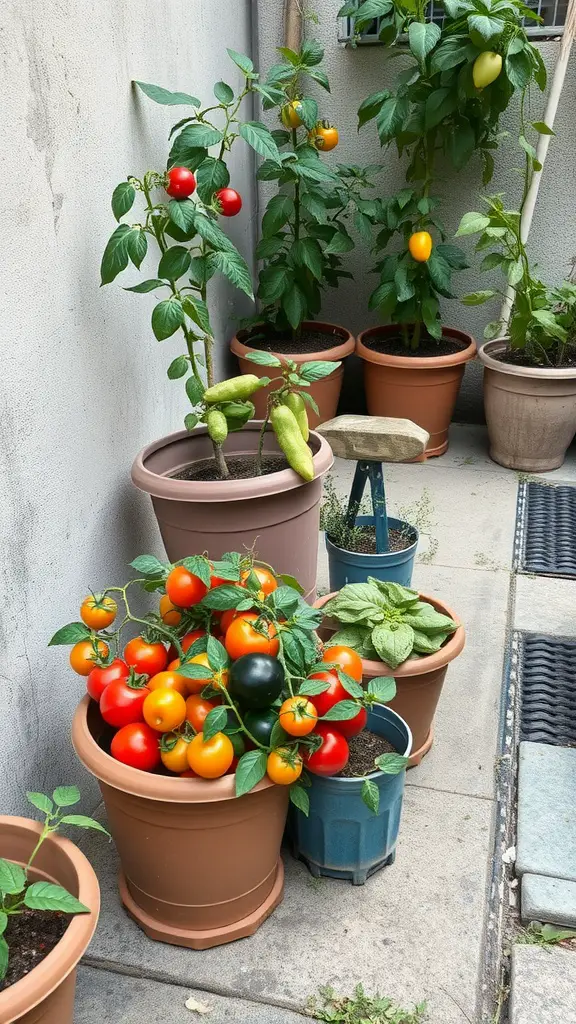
551 900
546 817
545 604
543 986
103 997
414 931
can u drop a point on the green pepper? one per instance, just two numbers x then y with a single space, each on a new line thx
235 389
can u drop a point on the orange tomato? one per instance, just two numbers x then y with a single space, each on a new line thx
241 638
169 681
168 611
210 759
183 588
98 611
197 708
298 716
84 654
164 710
175 754
284 766
420 246
267 580
217 677
324 136
348 660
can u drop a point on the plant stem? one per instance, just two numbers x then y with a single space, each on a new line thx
297 331
221 465
45 832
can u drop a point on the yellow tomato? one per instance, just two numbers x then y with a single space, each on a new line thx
420 246
486 69
290 115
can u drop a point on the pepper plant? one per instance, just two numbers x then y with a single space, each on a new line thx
17 892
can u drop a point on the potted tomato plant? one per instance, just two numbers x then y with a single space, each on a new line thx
400 633
448 101
304 235
50 905
206 706
220 482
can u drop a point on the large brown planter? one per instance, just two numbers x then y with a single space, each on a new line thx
419 680
325 392
530 411
423 389
277 515
199 867
46 994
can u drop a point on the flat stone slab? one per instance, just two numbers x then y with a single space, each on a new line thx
103 997
543 986
549 900
378 438
545 604
547 811
413 932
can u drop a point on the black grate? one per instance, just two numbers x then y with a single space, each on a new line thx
548 530
548 681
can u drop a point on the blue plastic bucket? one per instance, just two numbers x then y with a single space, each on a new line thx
341 837
355 567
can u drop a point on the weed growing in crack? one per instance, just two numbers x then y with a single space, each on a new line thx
361 1009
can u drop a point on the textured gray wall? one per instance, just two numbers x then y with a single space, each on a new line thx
83 382
354 75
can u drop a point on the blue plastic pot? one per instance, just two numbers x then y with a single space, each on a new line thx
355 567
341 837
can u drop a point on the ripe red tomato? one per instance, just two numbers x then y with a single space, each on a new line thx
137 746
352 726
197 708
191 638
266 579
335 693
332 756
99 678
183 588
122 701
146 659
349 661
227 618
230 201
181 182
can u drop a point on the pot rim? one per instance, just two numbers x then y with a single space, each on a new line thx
546 372
146 785
357 779
345 348
43 979
371 556
163 486
417 666
415 362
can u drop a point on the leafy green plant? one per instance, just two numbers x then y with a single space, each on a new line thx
304 227
537 934
387 622
334 519
17 893
361 1009
542 327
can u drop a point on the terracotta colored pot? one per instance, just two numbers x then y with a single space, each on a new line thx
325 392
530 411
46 994
278 515
419 680
199 867
419 388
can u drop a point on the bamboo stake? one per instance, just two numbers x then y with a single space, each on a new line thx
293 19
543 143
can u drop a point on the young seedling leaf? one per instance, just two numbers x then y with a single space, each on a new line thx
41 801
66 796
82 821
47 896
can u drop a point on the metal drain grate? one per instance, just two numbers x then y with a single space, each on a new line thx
547 530
548 681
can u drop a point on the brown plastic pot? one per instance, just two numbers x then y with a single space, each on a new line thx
419 680
423 389
199 866
46 994
325 392
530 411
277 515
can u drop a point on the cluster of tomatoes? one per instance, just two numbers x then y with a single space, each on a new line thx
159 713
181 183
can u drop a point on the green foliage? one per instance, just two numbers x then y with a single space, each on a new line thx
361 1008
387 622
542 325
334 519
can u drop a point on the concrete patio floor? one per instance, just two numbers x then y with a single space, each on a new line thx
416 930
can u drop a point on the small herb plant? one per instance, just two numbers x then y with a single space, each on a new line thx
361 1009
542 327
334 520
387 622
17 894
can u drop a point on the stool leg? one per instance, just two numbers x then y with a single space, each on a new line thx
356 492
379 505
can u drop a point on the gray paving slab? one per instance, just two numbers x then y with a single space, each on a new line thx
414 931
546 811
104 997
551 900
543 986
545 604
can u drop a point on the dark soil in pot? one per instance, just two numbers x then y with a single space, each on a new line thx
393 345
31 936
364 748
520 358
309 340
241 468
363 540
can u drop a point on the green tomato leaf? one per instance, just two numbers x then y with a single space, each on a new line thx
122 199
4 956
263 358
47 896
241 61
148 565
383 688
391 764
343 711
234 267
70 634
371 106
259 137
147 286
167 317
371 795
279 211
197 310
477 298
211 175
299 797
472 224
178 368
3 922
423 38
312 687
12 878
66 796
165 97
223 93
82 821
312 53
41 802
224 597
174 263
250 771
214 722
116 254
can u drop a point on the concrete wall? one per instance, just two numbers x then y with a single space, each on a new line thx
83 382
354 75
